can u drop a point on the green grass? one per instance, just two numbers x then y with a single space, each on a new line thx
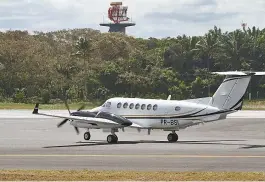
254 105
87 175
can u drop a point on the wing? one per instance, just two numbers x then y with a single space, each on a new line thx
89 120
99 119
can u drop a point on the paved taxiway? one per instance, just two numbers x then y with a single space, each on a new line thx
29 142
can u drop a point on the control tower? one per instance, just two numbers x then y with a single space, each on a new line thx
117 15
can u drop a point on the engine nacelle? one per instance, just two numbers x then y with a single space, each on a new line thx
118 119
84 114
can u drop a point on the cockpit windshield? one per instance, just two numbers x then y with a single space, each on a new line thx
106 104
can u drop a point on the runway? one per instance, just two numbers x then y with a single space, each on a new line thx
234 144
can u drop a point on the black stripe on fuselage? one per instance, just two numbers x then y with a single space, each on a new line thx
177 117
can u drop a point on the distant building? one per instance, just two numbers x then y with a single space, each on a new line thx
117 14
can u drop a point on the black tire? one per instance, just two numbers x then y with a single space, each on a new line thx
112 139
172 137
176 137
87 136
116 138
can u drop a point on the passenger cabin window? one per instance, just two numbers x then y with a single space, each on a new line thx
125 105
119 105
131 105
149 106
177 108
155 107
137 106
143 106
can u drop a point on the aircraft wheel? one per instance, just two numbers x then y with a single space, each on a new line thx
116 138
112 139
87 136
172 137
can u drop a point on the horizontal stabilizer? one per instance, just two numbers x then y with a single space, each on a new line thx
242 73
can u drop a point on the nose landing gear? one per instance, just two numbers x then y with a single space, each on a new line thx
87 135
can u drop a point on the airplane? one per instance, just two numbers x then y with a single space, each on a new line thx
168 115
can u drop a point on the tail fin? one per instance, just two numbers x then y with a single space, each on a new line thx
230 93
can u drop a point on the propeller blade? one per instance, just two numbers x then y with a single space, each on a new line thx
81 108
77 130
61 123
67 106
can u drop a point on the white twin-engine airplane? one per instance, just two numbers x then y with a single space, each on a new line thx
167 115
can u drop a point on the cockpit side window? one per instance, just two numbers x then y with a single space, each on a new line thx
108 104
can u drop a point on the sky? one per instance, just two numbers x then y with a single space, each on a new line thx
153 18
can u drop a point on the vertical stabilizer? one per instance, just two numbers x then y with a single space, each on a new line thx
230 93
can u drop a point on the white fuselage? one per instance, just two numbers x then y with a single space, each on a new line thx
160 114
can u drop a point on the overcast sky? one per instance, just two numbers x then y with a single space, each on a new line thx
154 18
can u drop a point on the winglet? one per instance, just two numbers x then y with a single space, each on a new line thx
36 109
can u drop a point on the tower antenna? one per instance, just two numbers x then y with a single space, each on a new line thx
117 14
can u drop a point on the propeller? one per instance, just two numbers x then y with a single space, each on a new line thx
65 120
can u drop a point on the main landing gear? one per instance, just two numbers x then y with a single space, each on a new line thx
112 138
172 137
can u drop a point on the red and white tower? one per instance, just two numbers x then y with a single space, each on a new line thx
117 14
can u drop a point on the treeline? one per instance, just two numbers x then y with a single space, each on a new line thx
85 64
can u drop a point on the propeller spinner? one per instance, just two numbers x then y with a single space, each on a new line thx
65 120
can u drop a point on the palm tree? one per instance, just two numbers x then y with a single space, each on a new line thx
207 46
83 45
233 46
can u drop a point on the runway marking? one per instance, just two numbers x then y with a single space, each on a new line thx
132 155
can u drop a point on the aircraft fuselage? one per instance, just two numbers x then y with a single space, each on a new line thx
158 114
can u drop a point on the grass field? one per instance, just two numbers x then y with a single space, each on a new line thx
254 105
85 175
248 105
